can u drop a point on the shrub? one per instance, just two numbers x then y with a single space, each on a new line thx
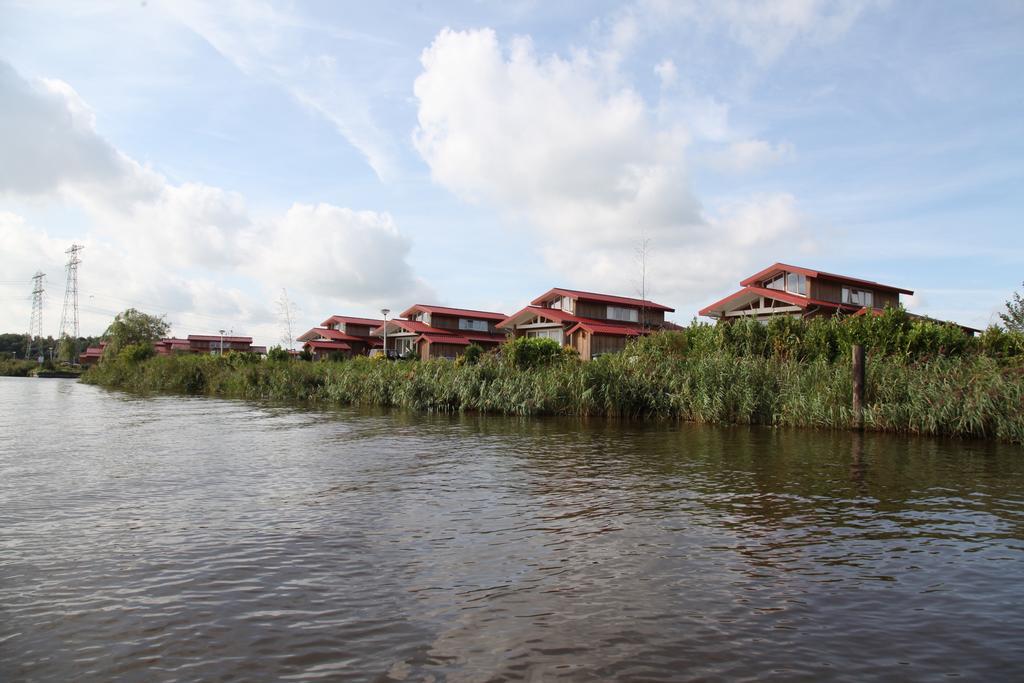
472 354
533 352
136 353
277 354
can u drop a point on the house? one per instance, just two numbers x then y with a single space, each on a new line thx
591 323
342 334
781 289
91 355
194 343
172 345
214 344
440 332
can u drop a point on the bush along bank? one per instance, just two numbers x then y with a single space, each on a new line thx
922 378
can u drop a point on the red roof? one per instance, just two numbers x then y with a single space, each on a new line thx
318 344
411 326
349 319
603 298
444 310
794 299
776 267
334 335
603 328
443 339
217 338
556 314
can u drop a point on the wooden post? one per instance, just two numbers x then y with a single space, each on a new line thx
858 386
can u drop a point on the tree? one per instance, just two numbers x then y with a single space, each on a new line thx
286 312
642 249
1013 319
66 350
132 327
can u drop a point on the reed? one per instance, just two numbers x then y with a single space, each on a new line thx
12 367
680 376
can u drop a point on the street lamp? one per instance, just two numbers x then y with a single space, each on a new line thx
384 312
222 342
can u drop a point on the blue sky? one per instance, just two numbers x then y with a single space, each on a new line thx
477 154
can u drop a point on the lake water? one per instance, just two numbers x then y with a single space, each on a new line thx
170 538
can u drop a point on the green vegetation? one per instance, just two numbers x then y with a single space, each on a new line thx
16 368
923 377
134 328
1013 318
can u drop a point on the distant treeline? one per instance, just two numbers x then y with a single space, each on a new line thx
923 377
12 344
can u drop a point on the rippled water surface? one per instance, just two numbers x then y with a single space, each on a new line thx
176 538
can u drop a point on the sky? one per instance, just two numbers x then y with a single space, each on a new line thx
211 156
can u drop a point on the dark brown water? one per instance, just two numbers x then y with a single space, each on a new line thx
152 539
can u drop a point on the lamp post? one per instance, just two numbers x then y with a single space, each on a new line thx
384 312
222 342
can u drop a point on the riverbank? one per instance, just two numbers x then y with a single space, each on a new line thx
974 395
29 368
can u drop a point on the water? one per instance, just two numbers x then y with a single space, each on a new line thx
169 538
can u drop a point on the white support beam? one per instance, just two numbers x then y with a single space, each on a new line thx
754 312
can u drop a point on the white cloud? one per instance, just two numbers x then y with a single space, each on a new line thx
765 28
748 155
191 250
588 164
272 44
666 72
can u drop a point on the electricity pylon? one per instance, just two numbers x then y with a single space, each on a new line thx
69 314
35 325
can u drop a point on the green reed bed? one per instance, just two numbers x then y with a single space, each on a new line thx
922 377
10 367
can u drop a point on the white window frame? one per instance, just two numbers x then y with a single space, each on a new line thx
858 297
473 325
556 333
631 315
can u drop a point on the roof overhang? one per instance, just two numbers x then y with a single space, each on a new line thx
600 298
611 330
785 267
748 295
556 316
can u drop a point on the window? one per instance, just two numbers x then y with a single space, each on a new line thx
474 325
796 284
548 333
858 297
627 314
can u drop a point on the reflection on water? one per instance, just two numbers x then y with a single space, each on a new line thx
192 539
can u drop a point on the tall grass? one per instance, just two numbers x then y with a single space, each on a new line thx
12 367
669 376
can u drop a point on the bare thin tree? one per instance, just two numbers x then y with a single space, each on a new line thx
287 310
642 250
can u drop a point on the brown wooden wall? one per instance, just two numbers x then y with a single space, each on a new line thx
446 350
449 322
883 299
357 330
580 340
830 290
606 343
599 311
825 290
